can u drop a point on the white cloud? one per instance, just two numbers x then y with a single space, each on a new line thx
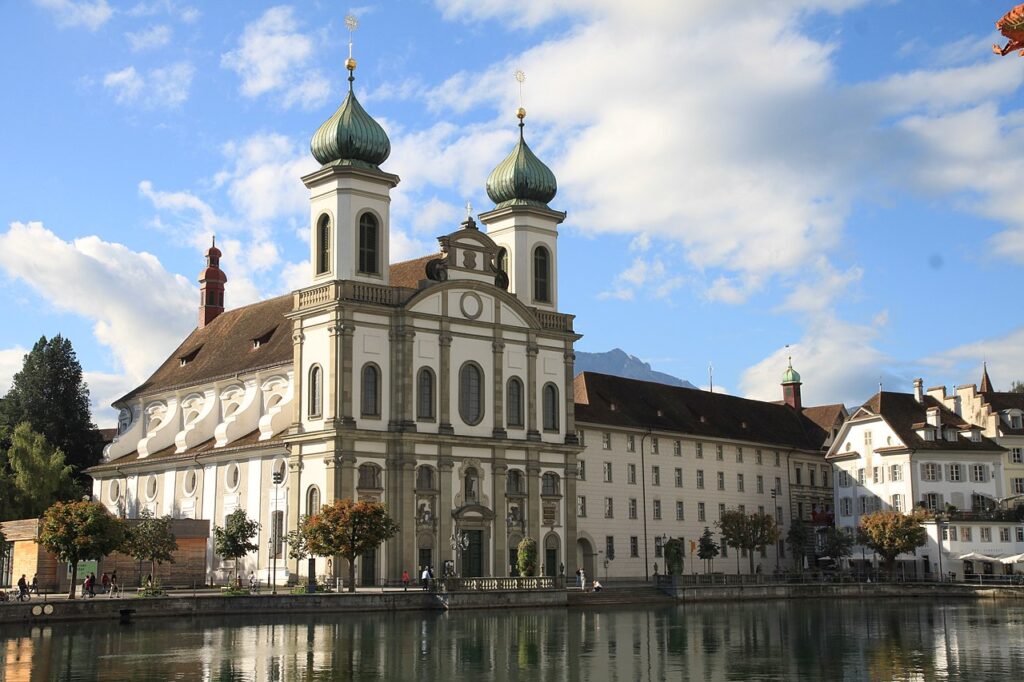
68 13
150 38
962 364
184 13
140 312
263 181
11 360
162 87
819 294
273 56
648 275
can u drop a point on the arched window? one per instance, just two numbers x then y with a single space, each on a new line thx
471 400
550 407
368 244
369 476
549 484
371 391
312 500
323 244
472 485
514 401
425 478
514 482
542 275
315 391
425 394
502 260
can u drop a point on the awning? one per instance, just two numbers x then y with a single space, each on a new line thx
975 556
1014 559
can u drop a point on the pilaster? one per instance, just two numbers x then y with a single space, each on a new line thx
500 560
444 381
531 388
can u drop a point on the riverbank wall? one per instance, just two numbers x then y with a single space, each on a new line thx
713 593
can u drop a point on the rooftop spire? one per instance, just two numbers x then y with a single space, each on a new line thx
986 383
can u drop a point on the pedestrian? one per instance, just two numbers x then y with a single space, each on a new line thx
583 580
22 588
87 586
252 582
92 584
149 580
430 576
105 583
577 577
115 589
35 584
597 585
405 580
424 578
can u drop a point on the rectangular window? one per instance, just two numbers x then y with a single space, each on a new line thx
739 483
581 470
607 472
760 484
631 474
719 453
1015 421
844 479
978 473
656 511
986 534
580 437
700 479
778 485
721 480
1017 485
929 472
724 547
606 441
630 443
1017 455
609 508
581 506
276 534
798 475
700 450
897 502
657 547
965 534
609 547
896 472
824 476
876 474
654 445
742 508
760 509
631 508
655 475
702 513
677 448
811 476
778 516
952 533
867 439
634 547
739 455
679 477
721 511
777 458
1020 534
860 476
845 506
863 504
758 458
931 501
680 517
954 472
1004 535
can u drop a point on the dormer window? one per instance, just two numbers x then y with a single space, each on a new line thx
189 357
1015 421
261 340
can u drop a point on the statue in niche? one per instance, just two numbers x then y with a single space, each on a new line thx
424 514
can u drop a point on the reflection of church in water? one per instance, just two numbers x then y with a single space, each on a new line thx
441 386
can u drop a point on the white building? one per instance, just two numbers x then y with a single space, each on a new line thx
899 451
440 386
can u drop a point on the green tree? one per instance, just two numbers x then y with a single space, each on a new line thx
348 529
1017 387
675 556
707 548
748 531
801 541
838 544
526 557
50 394
73 531
891 533
39 477
150 539
234 540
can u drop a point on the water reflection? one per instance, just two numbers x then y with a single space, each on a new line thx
844 640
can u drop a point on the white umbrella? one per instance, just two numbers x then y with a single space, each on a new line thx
1014 559
975 556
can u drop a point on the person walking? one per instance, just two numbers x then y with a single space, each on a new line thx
115 589
405 580
578 577
35 585
424 578
105 583
583 580
23 589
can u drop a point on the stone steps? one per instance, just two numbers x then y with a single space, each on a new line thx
620 595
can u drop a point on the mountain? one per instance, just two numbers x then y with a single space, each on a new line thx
619 363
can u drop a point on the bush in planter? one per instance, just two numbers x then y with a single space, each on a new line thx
527 559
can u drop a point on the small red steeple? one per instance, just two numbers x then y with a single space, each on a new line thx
986 383
211 287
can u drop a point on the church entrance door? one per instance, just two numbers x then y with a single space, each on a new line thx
368 568
473 555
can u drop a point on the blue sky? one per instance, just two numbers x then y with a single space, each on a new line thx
842 176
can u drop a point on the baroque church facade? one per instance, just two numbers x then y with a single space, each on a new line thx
440 386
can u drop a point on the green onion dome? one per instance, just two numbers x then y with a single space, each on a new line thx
351 137
790 376
521 179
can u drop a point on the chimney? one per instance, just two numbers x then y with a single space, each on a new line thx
933 417
211 287
919 390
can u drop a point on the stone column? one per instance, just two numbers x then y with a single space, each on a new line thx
534 513
407 391
395 501
348 471
294 499
407 557
498 353
569 511
531 389
297 380
331 371
500 561
444 381
348 331
570 402
444 508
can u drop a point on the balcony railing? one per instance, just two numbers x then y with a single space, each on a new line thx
496 584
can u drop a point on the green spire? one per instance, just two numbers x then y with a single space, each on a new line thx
351 137
790 376
521 179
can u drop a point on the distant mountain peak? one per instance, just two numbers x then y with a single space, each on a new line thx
618 362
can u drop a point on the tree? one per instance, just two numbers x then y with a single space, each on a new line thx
526 559
1017 387
707 548
234 540
748 531
74 531
39 477
349 529
891 533
50 394
675 556
801 541
838 544
150 539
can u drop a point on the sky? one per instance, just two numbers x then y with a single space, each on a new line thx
834 180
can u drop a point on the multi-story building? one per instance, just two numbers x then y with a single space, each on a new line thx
899 451
664 462
440 386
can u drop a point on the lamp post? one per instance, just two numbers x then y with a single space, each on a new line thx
459 541
275 541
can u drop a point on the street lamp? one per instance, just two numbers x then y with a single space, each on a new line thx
459 541
275 541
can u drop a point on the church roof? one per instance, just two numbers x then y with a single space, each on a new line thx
250 441
631 403
409 273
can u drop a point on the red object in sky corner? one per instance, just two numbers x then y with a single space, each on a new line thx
1012 27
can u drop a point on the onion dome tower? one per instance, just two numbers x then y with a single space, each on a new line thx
350 196
211 287
791 387
522 224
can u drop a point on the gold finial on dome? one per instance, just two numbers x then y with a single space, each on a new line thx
520 112
351 23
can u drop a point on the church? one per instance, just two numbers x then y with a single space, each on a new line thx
441 386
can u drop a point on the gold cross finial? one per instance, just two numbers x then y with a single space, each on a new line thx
351 23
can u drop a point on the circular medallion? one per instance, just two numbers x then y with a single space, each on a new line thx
471 305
